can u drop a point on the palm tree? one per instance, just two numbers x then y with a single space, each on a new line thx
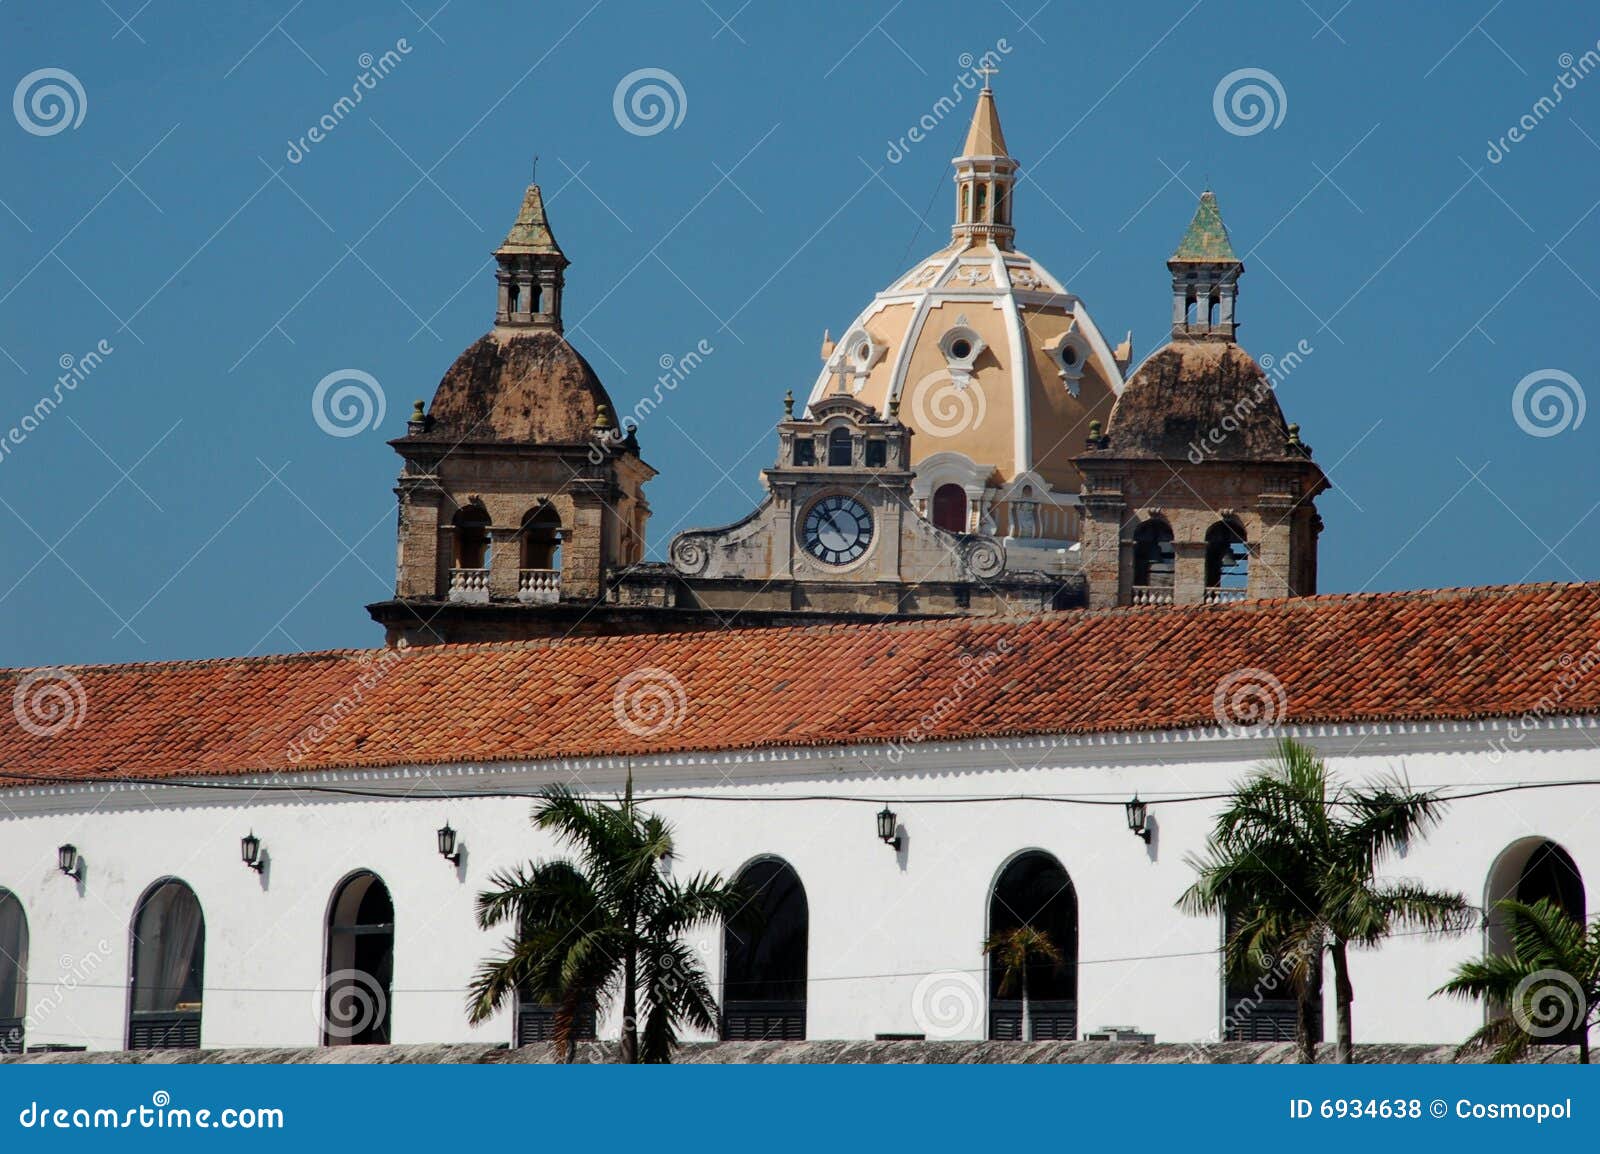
1292 863
1549 985
609 923
1016 949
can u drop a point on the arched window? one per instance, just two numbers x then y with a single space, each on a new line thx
1034 890
472 537
541 538
950 508
1227 559
1261 1005
1528 871
13 973
839 447
764 952
1531 870
1153 565
360 963
169 959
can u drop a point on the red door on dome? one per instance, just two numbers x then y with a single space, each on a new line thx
950 508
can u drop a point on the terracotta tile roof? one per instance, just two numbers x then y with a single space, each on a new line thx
1450 654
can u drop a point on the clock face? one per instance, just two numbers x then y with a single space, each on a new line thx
837 530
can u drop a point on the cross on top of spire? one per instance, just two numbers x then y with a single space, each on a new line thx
986 70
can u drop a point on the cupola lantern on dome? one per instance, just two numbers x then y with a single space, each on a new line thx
985 177
531 269
1205 277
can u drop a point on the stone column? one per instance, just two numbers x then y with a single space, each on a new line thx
505 563
416 560
1107 559
582 555
1189 579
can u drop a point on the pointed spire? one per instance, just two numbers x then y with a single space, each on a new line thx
530 273
1206 241
984 137
531 233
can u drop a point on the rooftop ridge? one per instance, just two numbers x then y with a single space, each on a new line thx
986 624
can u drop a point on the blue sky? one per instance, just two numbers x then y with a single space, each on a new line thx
182 501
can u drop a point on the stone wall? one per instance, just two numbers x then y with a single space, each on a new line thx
803 1053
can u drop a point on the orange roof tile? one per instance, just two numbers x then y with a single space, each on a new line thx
1448 654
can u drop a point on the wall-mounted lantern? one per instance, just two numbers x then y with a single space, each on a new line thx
1138 821
447 845
67 862
888 828
250 851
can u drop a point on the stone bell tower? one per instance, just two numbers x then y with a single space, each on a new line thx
1198 491
519 493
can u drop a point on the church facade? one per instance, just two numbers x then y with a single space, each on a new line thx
970 447
1011 619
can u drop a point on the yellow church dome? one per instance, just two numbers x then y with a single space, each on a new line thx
993 362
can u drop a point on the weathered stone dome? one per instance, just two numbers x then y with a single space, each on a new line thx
1206 394
519 385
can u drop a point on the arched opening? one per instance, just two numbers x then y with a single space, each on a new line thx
541 537
839 447
1531 870
982 215
1035 891
169 958
472 537
1153 559
1260 1005
950 508
764 956
1227 562
360 970
1528 871
13 973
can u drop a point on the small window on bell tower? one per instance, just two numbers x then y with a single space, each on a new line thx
840 448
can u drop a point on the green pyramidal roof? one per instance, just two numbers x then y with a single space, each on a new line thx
531 232
1207 241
